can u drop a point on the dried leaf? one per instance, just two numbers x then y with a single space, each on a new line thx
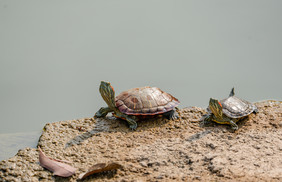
56 166
100 167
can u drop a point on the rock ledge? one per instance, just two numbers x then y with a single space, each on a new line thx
160 150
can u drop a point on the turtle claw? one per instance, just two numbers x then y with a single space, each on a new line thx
173 115
133 127
235 128
234 125
97 115
205 120
103 111
255 110
131 120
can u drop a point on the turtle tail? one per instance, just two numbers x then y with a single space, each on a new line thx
232 93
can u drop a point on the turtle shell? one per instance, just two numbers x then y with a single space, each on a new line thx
235 107
145 101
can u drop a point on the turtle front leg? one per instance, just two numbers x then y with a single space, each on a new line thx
206 119
231 122
173 115
233 125
132 121
103 111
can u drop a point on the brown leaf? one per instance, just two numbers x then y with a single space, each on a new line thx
56 166
100 167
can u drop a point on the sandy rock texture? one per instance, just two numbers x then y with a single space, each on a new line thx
160 150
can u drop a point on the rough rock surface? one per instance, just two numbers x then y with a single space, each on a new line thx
160 150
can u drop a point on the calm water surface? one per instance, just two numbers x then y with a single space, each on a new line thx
54 55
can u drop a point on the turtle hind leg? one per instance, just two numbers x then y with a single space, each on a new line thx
255 110
102 112
173 115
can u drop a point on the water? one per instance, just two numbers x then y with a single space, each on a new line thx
54 54
10 143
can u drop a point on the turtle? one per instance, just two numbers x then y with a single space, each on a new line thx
229 110
137 103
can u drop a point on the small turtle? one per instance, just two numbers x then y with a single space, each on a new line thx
229 110
137 103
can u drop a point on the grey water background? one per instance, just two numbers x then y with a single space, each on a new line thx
53 55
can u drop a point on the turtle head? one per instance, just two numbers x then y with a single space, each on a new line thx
216 108
108 93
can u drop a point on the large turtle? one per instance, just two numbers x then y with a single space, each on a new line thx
229 110
137 103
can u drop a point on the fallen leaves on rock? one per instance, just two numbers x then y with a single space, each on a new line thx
59 168
98 168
